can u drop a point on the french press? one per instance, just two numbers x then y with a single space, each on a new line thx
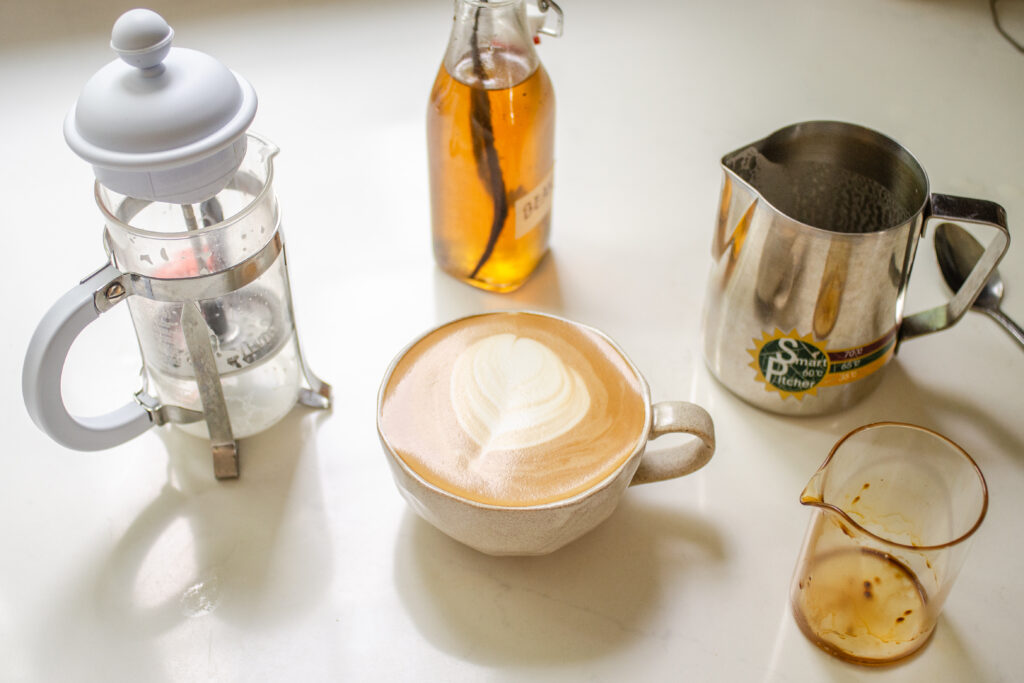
195 248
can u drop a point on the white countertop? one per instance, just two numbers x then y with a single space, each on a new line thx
134 564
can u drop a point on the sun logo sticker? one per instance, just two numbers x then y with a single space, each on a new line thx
789 363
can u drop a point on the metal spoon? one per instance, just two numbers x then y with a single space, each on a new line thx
957 252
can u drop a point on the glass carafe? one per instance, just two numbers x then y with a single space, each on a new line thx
490 143
250 329
207 288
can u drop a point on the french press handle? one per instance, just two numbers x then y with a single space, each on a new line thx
949 208
44 366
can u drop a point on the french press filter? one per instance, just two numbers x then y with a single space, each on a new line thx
193 236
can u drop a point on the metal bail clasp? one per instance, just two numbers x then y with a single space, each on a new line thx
542 20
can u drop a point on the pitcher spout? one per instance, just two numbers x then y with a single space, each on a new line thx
813 493
265 149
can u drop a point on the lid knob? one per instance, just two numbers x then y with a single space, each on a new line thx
142 38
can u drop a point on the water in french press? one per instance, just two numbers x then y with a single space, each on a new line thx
490 143
194 244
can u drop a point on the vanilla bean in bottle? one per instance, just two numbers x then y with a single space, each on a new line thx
490 143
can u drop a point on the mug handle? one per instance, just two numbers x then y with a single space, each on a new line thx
677 417
44 365
952 209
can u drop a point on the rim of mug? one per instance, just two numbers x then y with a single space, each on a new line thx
639 447
113 220
905 425
888 142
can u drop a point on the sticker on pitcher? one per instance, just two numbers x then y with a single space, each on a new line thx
796 365
531 208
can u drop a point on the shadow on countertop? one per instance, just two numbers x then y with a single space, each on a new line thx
200 547
597 595
33 21
24 22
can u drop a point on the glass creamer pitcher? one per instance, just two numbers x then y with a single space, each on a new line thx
895 507
193 236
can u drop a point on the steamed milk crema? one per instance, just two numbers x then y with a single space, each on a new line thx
513 409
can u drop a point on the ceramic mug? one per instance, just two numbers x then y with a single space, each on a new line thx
552 362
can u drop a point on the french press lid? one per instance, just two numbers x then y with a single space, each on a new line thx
161 123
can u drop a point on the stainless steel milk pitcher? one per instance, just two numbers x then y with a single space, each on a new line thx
817 229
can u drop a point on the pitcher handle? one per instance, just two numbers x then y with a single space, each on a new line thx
677 417
44 365
961 210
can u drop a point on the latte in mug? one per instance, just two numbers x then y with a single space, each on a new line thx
516 433
513 409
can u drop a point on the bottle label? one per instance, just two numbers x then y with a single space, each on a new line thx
795 365
532 207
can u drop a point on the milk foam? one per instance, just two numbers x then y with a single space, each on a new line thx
513 409
510 392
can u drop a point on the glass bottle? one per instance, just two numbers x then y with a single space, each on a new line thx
490 144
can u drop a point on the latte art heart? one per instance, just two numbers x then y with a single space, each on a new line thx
513 409
511 392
